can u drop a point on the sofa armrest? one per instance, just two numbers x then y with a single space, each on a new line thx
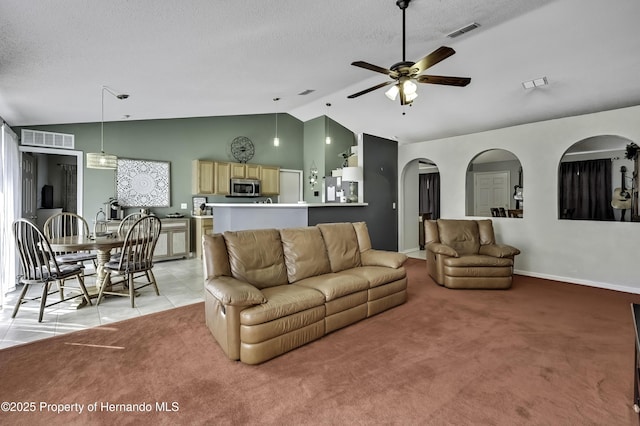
389 259
230 291
439 248
498 250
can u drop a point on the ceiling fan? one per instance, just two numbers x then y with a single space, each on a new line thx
404 74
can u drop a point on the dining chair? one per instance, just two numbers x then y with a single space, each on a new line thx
67 224
135 261
125 224
39 266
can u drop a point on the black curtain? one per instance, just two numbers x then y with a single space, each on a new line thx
585 190
429 194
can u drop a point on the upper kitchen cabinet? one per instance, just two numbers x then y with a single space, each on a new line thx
202 181
222 177
270 180
245 171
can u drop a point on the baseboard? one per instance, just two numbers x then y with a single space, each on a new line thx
607 286
410 250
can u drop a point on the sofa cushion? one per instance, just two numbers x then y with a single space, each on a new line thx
378 275
485 228
256 256
462 235
304 253
335 285
362 233
342 245
281 301
216 258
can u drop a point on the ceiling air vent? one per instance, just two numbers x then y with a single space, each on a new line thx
306 92
457 33
47 139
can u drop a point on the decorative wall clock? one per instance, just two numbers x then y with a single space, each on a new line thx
242 149
142 183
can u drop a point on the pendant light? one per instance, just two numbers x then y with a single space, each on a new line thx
103 160
276 140
327 139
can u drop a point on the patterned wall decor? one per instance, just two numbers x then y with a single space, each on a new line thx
143 183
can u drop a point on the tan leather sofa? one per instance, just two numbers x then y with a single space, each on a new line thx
269 291
464 254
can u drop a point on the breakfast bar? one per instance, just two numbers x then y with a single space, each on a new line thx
241 216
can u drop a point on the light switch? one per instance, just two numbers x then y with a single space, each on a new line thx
183 206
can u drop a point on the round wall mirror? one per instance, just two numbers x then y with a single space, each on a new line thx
495 185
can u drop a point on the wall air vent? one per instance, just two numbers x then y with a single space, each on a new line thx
306 92
457 33
47 139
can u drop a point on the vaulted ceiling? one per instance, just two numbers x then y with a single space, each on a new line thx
209 58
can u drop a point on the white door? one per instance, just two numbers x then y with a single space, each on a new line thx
28 177
290 186
491 189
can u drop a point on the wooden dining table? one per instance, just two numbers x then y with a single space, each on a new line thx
102 246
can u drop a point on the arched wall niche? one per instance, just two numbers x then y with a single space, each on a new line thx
597 180
414 171
494 185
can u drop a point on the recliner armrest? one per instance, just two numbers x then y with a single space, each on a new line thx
230 291
439 248
389 259
498 250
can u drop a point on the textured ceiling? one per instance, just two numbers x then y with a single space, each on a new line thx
208 58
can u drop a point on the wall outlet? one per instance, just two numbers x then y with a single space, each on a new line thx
183 206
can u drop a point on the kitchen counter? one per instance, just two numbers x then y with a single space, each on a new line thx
239 216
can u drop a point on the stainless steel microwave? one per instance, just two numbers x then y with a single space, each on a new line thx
245 188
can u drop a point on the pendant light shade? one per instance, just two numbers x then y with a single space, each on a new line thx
102 160
276 139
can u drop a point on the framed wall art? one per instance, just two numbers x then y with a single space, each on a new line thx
143 183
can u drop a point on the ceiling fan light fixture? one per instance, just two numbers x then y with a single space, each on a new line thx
409 87
409 97
392 93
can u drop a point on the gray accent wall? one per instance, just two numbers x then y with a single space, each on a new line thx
179 141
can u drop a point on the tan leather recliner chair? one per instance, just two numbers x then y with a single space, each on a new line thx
464 254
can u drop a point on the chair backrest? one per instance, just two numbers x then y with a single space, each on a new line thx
128 222
36 257
139 243
65 224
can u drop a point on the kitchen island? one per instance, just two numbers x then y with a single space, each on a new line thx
240 216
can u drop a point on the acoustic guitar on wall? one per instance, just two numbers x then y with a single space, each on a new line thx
621 196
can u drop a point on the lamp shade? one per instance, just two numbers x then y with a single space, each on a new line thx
352 174
101 160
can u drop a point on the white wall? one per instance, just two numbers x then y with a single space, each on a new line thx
602 254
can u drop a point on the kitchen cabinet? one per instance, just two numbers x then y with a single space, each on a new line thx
222 173
245 171
202 180
204 226
174 241
270 180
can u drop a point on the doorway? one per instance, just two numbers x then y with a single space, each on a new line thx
30 184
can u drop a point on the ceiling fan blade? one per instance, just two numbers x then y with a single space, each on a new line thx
370 89
439 79
371 67
433 58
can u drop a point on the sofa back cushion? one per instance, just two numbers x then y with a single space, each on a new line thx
362 233
304 253
341 243
461 235
485 228
256 256
215 258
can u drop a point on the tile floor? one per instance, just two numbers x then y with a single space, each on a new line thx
180 283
